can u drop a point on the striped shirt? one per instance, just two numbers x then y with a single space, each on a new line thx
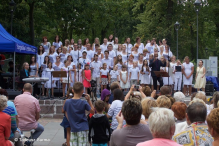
114 109
10 111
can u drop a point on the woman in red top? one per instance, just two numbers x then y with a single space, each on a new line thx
5 123
87 77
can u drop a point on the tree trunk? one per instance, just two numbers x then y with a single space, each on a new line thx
31 22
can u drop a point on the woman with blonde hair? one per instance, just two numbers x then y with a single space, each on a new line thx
163 101
200 77
147 105
96 41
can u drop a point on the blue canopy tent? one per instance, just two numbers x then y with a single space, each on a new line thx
10 44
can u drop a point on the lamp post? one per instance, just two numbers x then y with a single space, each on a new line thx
177 25
12 5
197 7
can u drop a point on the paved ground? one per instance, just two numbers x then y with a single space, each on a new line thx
53 134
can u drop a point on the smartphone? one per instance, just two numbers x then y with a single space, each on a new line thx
83 95
136 87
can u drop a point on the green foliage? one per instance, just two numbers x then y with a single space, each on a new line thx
123 18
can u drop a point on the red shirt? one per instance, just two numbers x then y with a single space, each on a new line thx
5 129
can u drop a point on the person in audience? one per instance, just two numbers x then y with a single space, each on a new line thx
5 120
28 109
147 105
216 99
147 91
179 97
179 109
134 132
113 86
115 108
140 94
163 101
213 126
24 73
197 132
165 90
187 69
203 97
15 135
65 123
105 94
75 112
99 126
162 127
193 95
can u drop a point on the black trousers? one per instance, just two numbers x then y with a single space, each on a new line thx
155 79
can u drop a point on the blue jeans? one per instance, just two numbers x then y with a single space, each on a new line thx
38 131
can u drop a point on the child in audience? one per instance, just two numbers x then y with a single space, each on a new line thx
99 127
50 84
114 75
75 112
105 94
87 77
145 71
124 83
134 74
103 76
65 124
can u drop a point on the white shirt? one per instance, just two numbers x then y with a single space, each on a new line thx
46 47
129 47
83 62
115 47
135 56
57 45
141 48
103 47
146 57
108 61
150 48
75 55
134 71
40 58
57 68
52 57
90 54
112 54
83 48
124 58
96 70
114 74
104 72
170 54
64 57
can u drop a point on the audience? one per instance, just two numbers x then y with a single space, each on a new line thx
216 99
147 105
75 112
165 90
147 91
163 101
134 132
28 112
197 132
162 127
5 126
179 97
179 109
113 86
99 126
115 108
213 126
193 95
105 95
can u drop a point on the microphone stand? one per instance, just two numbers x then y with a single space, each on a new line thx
68 79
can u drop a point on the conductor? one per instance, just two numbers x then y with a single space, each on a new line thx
155 65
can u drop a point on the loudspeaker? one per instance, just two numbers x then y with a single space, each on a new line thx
209 89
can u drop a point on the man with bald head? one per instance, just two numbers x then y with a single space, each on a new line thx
28 110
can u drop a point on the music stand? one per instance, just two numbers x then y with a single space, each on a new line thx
59 74
161 74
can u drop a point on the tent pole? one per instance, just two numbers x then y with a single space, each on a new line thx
14 73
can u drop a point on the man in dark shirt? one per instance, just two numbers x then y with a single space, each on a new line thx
155 65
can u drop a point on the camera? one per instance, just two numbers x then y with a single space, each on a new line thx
83 95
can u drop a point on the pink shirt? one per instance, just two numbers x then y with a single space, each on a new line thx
159 142
27 106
